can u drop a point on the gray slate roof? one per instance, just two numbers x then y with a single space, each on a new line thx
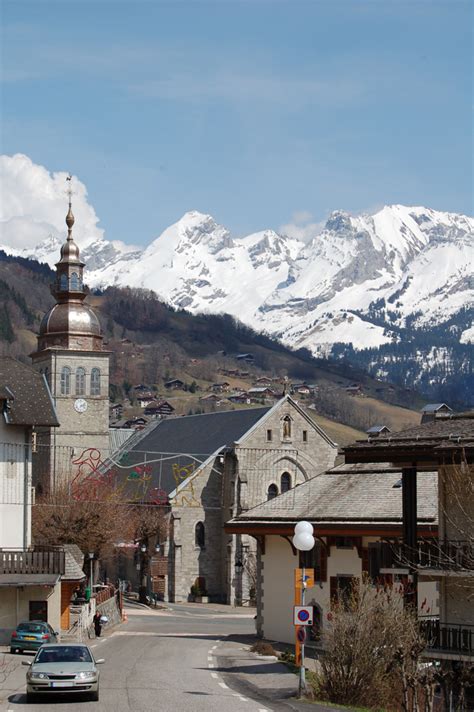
164 445
368 494
31 403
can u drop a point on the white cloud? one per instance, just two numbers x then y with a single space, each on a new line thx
34 205
301 226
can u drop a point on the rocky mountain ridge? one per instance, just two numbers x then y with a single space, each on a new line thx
407 265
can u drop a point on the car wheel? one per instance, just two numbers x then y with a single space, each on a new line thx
95 696
13 651
31 698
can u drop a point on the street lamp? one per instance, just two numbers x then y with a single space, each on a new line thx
303 540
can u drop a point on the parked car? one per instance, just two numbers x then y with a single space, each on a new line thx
31 635
64 668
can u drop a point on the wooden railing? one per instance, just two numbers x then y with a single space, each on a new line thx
39 560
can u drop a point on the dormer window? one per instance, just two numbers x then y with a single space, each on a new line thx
80 381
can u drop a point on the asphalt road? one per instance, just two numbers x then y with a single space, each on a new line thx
157 661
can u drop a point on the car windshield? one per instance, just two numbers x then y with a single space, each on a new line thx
32 627
64 654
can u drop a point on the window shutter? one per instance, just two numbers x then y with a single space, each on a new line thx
333 589
365 560
323 563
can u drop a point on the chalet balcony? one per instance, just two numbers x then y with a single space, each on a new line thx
37 560
450 640
455 557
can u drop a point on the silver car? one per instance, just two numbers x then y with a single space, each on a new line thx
63 668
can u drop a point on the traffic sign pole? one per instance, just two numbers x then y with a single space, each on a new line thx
302 680
297 603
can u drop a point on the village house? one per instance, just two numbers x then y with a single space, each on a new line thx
352 509
220 387
145 399
115 411
445 444
29 576
159 409
175 384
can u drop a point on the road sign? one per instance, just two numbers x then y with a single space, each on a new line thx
301 635
308 580
303 615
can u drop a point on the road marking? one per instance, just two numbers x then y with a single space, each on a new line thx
214 647
214 675
210 665
210 658
222 684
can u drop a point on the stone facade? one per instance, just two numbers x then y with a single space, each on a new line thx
282 450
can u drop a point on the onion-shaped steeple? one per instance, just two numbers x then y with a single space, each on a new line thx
70 324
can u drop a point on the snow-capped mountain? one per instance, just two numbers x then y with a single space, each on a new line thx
359 281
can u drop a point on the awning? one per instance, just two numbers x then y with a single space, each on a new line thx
17 580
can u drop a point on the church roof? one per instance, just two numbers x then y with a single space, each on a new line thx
164 452
30 402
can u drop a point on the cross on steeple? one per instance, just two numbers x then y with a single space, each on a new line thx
69 216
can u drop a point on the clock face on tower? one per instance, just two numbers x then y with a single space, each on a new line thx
80 405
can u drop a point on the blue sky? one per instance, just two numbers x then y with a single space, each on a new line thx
260 112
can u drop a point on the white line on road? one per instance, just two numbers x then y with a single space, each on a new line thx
214 675
210 665
222 684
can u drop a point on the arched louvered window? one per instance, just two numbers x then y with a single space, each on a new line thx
272 492
65 381
80 381
75 285
63 282
95 382
285 482
286 427
199 535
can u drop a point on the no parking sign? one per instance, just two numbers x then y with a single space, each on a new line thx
303 615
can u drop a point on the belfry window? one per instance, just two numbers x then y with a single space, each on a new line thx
95 382
285 482
65 381
272 492
63 283
80 381
75 284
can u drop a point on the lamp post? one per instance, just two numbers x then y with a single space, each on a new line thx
303 540
91 575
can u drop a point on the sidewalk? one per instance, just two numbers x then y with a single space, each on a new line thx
263 677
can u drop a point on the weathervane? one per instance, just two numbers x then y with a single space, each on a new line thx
69 216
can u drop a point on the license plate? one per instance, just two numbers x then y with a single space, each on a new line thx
61 684
29 637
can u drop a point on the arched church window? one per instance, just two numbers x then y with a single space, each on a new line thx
75 282
80 381
63 282
287 427
65 381
95 382
272 492
285 482
200 535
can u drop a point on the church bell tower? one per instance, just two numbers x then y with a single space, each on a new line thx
70 356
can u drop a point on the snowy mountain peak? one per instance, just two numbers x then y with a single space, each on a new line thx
358 281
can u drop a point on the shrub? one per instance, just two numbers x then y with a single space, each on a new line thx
262 647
